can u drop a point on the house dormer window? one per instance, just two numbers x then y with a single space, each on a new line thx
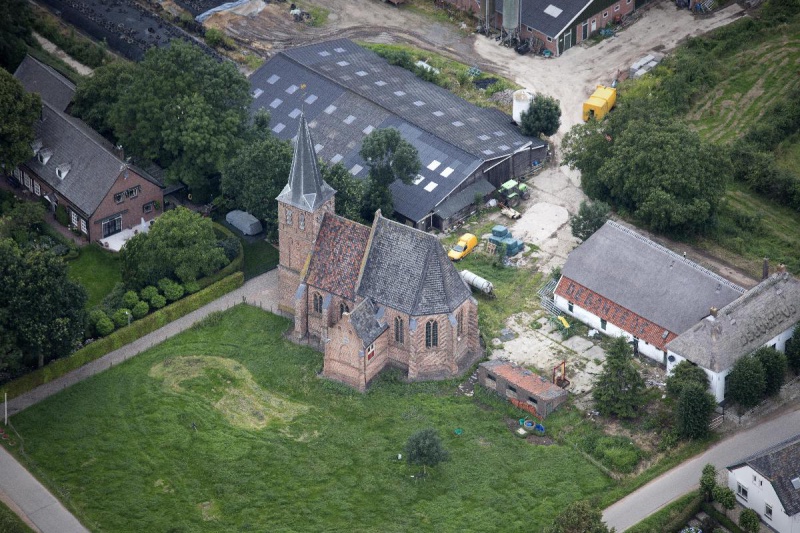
36 145
62 170
44 155
431 334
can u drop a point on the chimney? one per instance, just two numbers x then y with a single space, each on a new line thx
119 152
714 311
765 270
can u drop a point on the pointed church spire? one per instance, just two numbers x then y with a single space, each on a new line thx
306 189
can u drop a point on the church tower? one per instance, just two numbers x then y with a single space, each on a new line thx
301 205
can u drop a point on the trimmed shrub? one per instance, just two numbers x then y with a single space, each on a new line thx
130 299
62 217
191 287
172 291
113 300
140 309
104 326
158 301
95 316
148 293
121 317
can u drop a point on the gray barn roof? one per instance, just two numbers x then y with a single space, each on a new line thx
780 464
648 279
550 17
464 198
743 326
52 87
408 270
346 92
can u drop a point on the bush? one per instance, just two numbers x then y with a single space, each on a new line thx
158 301
62 216
104 326
95 316
172 291
749 521
230 246
130 299
113 300
191 287
140 309
217 39
774 364
148 293
683 374
121 317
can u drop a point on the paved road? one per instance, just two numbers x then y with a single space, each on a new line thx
29 498
642 503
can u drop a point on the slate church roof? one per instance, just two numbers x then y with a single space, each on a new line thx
744 325
646 278
365 320
780 464
306 189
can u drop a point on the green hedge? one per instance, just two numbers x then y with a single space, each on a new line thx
123 336
672 518
230 268
723 519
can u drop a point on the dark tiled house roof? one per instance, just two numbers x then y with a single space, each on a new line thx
647 279
744 325
306 189
408 270
338 253
616 314
550 17
780 464
36 77
364 319
525 379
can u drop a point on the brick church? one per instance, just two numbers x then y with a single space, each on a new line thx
375 297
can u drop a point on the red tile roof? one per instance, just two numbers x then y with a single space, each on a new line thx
525 379
621 317
336 259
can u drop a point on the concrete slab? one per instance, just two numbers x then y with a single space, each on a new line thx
595 352
579 344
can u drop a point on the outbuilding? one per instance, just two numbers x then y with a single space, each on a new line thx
244 222
523 388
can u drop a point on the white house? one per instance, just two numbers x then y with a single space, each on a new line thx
769 484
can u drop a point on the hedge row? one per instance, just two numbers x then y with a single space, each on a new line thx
671 519
230 268
123 336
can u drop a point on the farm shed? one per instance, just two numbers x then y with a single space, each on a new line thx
526 390
244 222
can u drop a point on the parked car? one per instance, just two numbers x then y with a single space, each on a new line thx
465 245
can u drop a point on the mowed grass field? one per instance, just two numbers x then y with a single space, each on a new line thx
227 427
98 270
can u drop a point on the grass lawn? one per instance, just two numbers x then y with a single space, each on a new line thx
259 257
98 270
278 449
11 523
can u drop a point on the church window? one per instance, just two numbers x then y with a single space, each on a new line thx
288 217
431 334
343 308
370 351
460 321
398 330
301 220
317 302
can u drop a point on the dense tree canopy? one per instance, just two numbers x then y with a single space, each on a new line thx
181 245
15 31
19 111
708 482
591 216
389 158
658 170
774 364
543 117
350 191
683 374
619 387
694 409
425 448
579 517
747 382
178 107
42 313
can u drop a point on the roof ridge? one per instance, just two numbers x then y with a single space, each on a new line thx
675 256
56 74
421 286
69 119
367 250
756 291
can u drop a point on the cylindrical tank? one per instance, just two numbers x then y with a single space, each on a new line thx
521 102
510 15
476 281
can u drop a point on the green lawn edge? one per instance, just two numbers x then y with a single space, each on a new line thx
671 518
123 336
10 522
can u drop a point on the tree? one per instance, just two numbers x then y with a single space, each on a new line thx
694 409
15 32
619 387
749 521
590 218
683 374
425 448
254 178
185 110
96 96
19 110
747 382
350 191
774 363
180 244
708 482
390 158
41 309
725 497
579 517
543 117
793 351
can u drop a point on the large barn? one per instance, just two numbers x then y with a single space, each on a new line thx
346 92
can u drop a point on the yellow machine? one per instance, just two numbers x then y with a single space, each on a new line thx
600 103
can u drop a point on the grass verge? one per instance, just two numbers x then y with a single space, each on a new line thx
98 270
122 336
134 452
10 522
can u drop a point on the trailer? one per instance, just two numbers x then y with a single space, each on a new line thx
600 103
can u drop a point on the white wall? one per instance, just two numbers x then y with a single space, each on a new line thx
593 321
760 493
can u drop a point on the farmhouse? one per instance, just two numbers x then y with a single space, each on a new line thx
75 168
769 483
346 92
672 309
528 391
379 296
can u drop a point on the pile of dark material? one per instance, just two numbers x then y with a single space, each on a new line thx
127 27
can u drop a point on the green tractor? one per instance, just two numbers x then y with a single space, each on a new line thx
512 191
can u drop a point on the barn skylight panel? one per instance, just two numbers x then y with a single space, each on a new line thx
553 11
361 73
311 99
458 123
342 63
292 89
275 103
368 130
488 152
272 79
499 133
438 113
484 137
295 113
380 83
324 53
349 119
419 179
399 93
419 103
279 127
446 172
434 165
356 169
335 159
504 147
330 109
340 50
257 93
432 185
317 148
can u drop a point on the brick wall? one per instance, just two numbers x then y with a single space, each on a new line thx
623 7
346 360
131 208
